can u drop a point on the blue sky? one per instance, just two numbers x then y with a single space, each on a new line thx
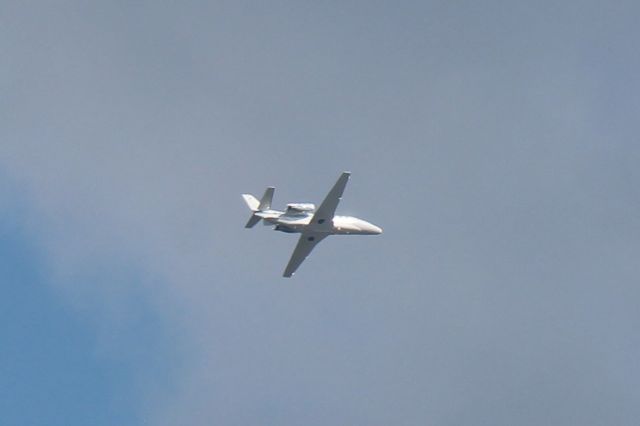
51 372
58 367
496 144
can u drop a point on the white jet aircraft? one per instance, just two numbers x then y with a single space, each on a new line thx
314 224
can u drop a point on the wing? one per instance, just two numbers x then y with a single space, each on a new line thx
324 214
306 243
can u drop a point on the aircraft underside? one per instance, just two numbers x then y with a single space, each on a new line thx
315 224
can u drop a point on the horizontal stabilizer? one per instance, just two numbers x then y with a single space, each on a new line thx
252 221
252 202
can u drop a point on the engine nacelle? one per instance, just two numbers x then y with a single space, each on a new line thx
283 228
298 208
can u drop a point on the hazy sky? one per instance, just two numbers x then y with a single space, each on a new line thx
496 143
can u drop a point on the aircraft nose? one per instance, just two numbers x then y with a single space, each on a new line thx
373 229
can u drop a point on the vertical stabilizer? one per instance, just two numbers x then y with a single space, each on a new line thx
265 202
258 206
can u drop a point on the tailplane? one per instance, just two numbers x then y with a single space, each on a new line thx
258 206
252 221
252 202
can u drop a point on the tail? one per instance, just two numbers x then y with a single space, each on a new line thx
258 206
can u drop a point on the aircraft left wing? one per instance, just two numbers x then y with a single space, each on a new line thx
323 216
306 243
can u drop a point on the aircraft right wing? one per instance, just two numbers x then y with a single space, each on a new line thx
306 243
324 214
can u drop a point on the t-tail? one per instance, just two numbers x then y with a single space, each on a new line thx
258 206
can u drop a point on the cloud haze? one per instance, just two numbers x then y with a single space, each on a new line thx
494 143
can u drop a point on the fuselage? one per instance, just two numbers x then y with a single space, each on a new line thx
313 223
301 221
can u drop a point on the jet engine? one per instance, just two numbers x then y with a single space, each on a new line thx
299 208
283 228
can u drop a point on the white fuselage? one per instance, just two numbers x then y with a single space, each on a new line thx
300 222
314 224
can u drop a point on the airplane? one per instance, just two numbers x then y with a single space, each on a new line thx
314 224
